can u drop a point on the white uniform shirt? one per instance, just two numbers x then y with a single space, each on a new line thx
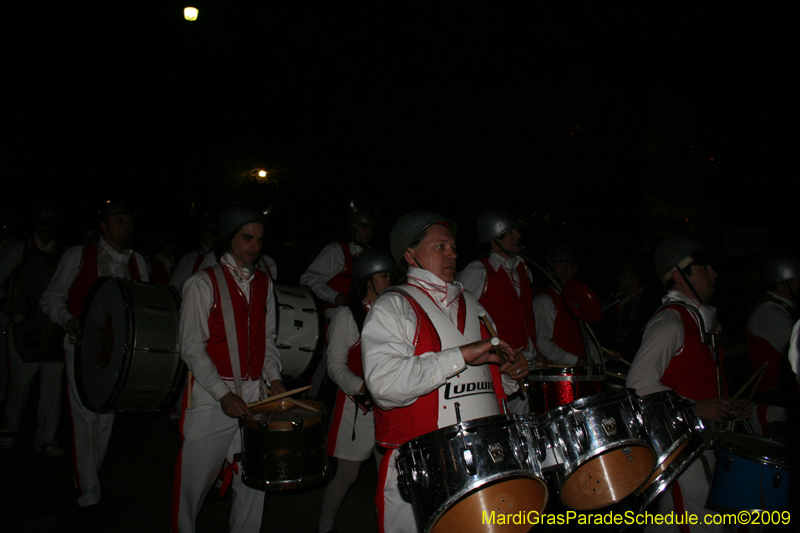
794 350
662 339
343 335
394 375
194 333
773 323
473 278
545 312
325 266
183 270
54 299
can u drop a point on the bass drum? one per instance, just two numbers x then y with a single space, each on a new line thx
36 338
127 358
300 327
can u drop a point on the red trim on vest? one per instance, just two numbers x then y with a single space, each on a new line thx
692 372
341 281
87 275
401 424
251 340
380 500
680 508
512 313
566 331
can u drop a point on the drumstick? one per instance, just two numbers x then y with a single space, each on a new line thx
758 372
523 384
304 405
615 375
609 352
278 396
763 371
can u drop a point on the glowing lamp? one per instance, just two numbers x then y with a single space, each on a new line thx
262 173
190 13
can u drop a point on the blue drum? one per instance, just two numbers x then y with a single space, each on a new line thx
751 474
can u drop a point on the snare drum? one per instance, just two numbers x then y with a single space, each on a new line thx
457 473
284 447
128 356
602 450
751 474
300 327
555 387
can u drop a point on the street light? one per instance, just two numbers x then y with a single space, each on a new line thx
190 13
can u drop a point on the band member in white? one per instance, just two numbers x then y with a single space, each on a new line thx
422 349
351 438
224 382
62 301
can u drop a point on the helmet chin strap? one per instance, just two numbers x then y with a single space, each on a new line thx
415 259
510 254
691 287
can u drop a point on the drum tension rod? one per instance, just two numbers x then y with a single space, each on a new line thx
466 450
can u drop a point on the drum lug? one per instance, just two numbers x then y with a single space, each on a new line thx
496 452
610 426
728 462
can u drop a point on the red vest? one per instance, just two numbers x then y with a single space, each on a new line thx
160 274
761 351
692 372
341 281
566 331
401 424
512 313
354 364
250 331
87 275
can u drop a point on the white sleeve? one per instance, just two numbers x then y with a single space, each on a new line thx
143 267
794 350
545 313
269 266
773 323
473 278
342 335
183 271
273 364
198 297
327 264
395 376
662 339
54 298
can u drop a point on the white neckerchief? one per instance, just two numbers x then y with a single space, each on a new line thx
240 274
707 312
783 300
444 293
50 248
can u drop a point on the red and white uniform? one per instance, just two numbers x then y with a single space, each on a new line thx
79 268
503 288
210 436
329 274
558 336
22 374
352 432
265 264
188 265
672 356
769 330
415 372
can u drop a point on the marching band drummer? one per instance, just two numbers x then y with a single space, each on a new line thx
418 345
79 268
230 296
674 356
351 438
502 285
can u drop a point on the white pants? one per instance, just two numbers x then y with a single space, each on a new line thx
693 485
395 514
91 433
209 438
21 376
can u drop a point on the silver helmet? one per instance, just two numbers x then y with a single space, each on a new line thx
362 216
237 215
676 253
372 261
781 267
494 222
410 226
109 209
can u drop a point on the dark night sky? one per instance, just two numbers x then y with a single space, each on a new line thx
583 113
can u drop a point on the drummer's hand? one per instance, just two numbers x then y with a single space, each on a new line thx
73 327
517 368
276 387
743 408
480 352
341 299
612 355
715 409
234 406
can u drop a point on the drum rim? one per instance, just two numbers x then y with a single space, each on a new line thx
583 403
457 428
746 454
546 379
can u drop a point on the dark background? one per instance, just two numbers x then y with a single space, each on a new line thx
605 127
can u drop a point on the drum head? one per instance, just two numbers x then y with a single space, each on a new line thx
99 354
300 327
